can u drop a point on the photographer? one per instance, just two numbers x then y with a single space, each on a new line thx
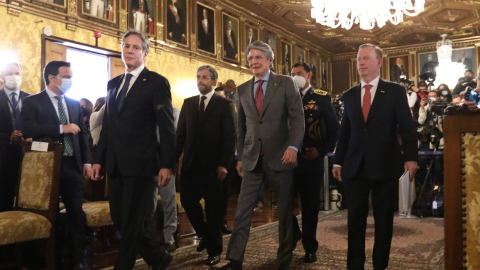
412 96
444 93
464 82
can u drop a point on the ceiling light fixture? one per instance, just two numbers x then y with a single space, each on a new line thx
366 13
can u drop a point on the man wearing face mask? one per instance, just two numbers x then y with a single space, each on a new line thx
321 133
51 114
465 82
11 100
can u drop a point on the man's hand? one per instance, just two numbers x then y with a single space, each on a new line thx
471 106
87 171
164 177
337 173
422 103
289 157
311 153
170 35
412 169
221 172
16 136
240 168
71 128
95 172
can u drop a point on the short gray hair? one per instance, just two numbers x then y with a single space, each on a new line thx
263 47
142 36
378 50
10 64
213 72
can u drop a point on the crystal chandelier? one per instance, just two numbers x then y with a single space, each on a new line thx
344 13
447 71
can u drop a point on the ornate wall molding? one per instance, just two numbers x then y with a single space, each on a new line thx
70 27
14 11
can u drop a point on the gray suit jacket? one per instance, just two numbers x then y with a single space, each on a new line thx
279 126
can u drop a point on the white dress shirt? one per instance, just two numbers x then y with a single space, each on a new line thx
207 100
54 101
374 85
135 73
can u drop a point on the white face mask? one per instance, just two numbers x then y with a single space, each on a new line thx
13 82
65 86
299 81
433 99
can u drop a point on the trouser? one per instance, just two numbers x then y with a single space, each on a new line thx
140 23
170 218
97 8
282 184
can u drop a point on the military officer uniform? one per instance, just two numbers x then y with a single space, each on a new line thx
321 132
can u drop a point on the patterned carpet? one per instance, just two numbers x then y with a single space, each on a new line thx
417 244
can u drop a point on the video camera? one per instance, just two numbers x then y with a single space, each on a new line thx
465 80
338 106
407 83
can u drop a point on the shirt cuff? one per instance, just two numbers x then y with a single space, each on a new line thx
336 165
87 164
294 148
61 129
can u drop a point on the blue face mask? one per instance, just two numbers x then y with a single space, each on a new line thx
65 86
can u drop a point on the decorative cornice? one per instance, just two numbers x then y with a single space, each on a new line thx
14 11
70 27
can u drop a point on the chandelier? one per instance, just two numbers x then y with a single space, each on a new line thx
447 71
344 13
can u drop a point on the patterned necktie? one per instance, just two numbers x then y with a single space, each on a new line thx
16 111
366 101
123 92
201 107
67 138
259 97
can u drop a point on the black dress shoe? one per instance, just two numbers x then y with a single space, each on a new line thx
310 257
167 259
226 230
202 245
283 267
229 266
213 259
170 247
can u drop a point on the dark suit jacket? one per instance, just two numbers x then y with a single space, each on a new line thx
376 141
6 125
206 40
39 119
279 125
230 51
177 28
210 140
395 73
128 141
467 62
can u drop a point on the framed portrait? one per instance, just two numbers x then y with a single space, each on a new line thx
398 68
299 55
205 28
230 37
286 58
313 67
141 16
324 74
104 10
251 34
465 56
427 62
177 21
271 40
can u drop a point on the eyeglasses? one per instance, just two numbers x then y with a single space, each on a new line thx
258 58
203 77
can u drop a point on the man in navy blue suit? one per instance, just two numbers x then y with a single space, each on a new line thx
369 157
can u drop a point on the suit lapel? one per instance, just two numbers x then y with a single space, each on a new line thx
249 88
194 111
378 99
210 107
139 83
49 106
112 95
72 114
272 87
357 103
6 108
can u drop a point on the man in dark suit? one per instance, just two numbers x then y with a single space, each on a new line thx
369 157
396 71
230 43
206 33
11 137
206 137
250 38
321 122
465 60
51 114
270 130
175 25
137 102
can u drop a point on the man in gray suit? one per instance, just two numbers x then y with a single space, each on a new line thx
270 130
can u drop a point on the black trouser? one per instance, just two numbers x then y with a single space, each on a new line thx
71 190
197 183
11 158
308 181
132 207
383 199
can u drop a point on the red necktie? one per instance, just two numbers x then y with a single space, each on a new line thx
259 97
366 101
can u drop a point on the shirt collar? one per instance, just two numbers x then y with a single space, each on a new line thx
264 79
50 93
9 92
305 91
373 83
136 71
209 95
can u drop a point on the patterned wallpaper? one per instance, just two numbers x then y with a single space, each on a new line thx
22 35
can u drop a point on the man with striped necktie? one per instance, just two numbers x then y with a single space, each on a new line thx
51 114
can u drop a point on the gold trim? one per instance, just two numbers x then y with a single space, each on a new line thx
70 27
187 23
214 54
13 11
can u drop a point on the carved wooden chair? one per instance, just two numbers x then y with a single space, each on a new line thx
35 212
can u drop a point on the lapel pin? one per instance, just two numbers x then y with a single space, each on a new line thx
383 92
144 80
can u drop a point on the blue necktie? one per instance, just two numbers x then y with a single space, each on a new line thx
67 138
123 92
16 111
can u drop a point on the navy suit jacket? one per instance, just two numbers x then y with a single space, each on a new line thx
6 125
39 119
375 142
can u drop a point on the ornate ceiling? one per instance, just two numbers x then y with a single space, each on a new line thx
457 18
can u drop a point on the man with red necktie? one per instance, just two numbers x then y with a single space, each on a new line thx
369 157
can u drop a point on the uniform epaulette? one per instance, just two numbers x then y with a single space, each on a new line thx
320 92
